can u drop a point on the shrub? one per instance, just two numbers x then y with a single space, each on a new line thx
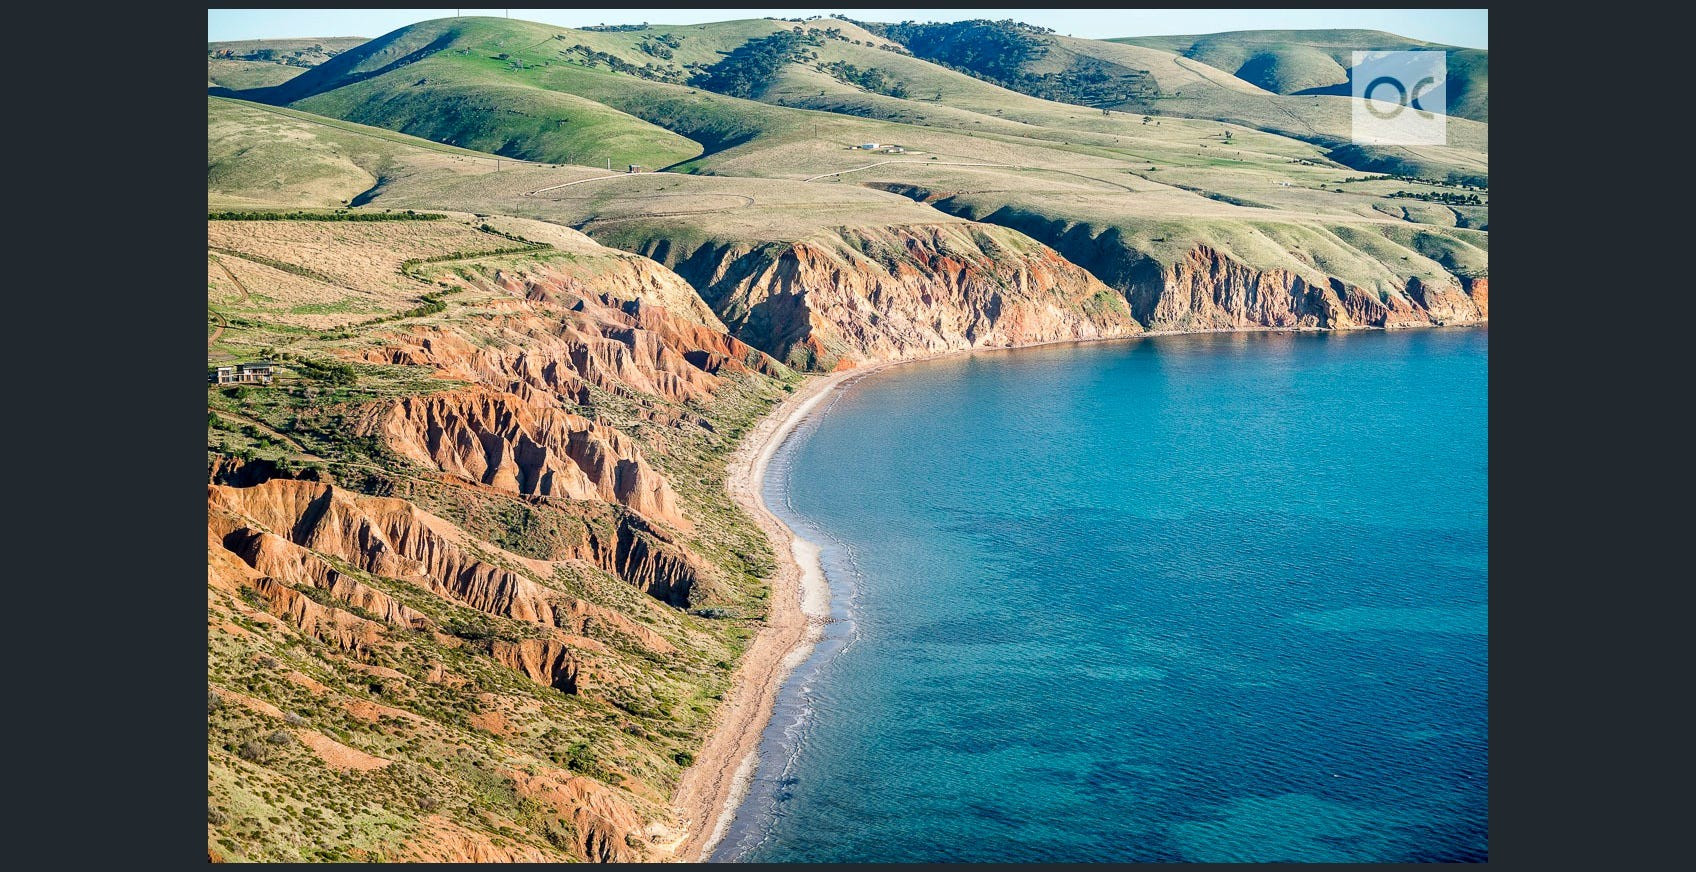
870 78
280 737
253 752
332 372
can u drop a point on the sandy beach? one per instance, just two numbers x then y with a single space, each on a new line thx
710 790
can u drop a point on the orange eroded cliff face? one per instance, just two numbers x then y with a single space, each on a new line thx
557 344
498 440
394 539
1260 274
274 543
864 295
600 819
1208 290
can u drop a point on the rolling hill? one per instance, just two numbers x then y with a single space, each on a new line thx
258 154
1318 61
1134 76
258 63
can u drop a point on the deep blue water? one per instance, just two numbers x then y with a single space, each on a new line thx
1205 598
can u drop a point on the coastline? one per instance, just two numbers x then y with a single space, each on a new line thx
710 791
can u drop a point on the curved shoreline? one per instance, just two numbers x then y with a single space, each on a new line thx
711 790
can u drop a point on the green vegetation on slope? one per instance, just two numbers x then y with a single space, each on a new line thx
474 82
871 78
243 75
1129 76
262 63
750 69
254 155
1005 53
1318 61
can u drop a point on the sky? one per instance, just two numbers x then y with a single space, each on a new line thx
1469 27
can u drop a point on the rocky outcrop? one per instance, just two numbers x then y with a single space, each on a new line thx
1478 289
548 662
601 819
1206 291
1209 290
239 472
291 564
333 626
386 537
1177 277
392 538
465 592
493 439
861 295
443 841
658 564
575 338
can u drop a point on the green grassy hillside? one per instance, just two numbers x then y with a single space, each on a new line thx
1317 61
257 154
1133 77
518 88
243 75
475 82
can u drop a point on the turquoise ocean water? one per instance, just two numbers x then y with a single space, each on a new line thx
1206 598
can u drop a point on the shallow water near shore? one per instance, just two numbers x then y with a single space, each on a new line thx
1205 598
